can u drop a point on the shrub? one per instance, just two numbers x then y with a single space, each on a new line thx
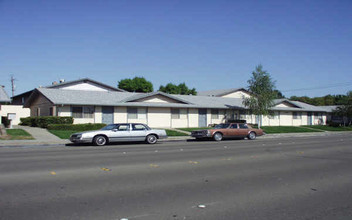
76 127
44 121
25 121
5 121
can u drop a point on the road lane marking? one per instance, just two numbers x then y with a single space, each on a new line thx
105 169
193 162
53 173
154 165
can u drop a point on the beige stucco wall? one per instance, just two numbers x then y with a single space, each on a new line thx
15 109
285 118
142 116
297 122
159 117
158 99
85 86
98 115
238 94
193 117
182 122
84 120
120 115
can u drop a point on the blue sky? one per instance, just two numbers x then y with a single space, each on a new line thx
206 44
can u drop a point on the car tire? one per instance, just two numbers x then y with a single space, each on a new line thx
100 140
151 139
252 135
217 136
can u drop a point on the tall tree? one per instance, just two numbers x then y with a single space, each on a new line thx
345 110
262 86
137 84
181 89
278 94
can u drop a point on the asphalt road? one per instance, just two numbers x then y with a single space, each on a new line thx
288 178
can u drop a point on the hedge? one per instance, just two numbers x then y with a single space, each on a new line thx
76 127
45 121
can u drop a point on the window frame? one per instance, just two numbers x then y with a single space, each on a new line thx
85 111
214 113
132 111
175 113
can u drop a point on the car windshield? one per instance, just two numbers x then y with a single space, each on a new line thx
109 127
219 126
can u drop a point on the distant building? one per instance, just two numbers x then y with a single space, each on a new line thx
14 112
89 101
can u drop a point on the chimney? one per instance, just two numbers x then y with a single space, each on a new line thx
62 80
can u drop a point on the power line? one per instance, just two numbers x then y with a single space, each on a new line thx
319 87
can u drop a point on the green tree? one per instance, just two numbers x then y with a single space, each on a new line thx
262 87
137 84
278 94
345 111
181 89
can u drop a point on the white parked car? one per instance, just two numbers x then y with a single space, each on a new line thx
119 133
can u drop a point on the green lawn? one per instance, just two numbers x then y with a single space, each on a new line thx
329 128
193 129
17 134
65 134
174 133
286 129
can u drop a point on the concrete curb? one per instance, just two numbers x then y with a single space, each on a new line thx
63 142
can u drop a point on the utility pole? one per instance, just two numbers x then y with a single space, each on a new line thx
13 87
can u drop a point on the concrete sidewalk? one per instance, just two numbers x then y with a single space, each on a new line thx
43 137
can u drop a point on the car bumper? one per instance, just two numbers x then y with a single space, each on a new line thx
163 136
80 140
201 135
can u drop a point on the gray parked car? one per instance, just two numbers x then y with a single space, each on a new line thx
119 133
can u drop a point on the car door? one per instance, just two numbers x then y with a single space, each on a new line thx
243 130
120 133
233 130
138 132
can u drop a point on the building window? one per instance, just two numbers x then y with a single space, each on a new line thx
318 115
83 112
214 114
274 115
51 111
142 113
175 113
297 115
132 113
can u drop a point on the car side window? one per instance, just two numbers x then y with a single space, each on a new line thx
138 127
233 126
123 128
243 126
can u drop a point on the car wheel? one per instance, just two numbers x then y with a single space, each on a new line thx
252 136
100 140
151 139
217 136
